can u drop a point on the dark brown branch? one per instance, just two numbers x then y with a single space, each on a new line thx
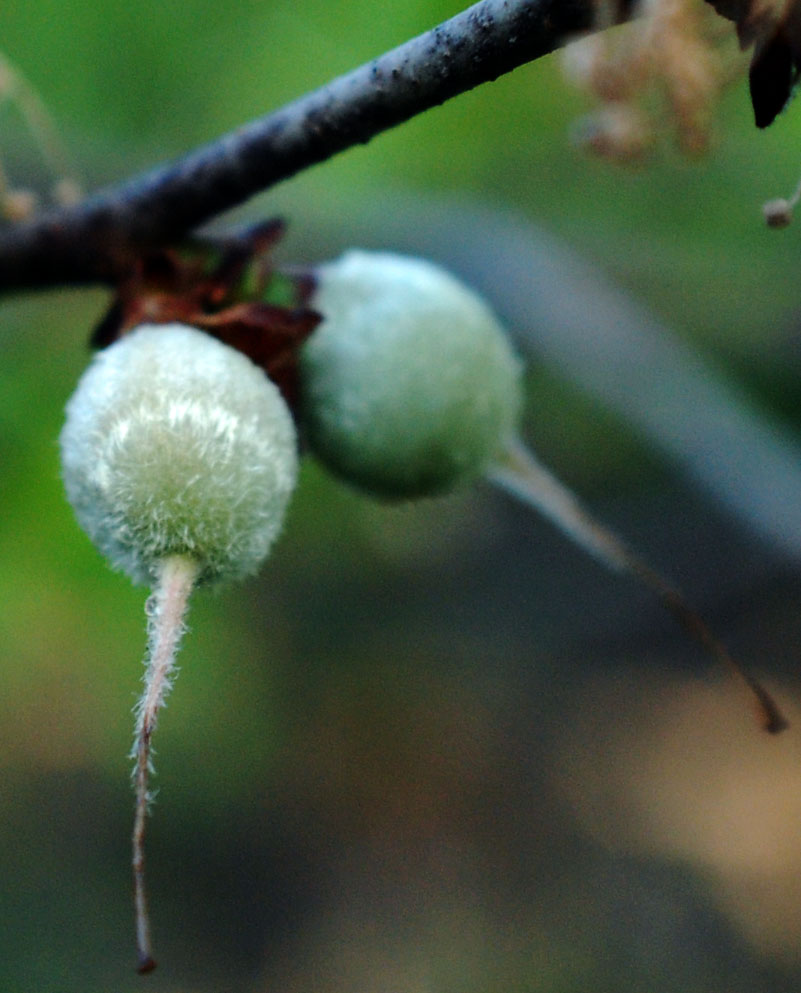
94 241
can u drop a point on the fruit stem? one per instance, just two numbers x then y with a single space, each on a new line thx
521 474
166 609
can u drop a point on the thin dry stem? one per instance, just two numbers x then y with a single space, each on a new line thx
15 88
521 474
166 610
796 196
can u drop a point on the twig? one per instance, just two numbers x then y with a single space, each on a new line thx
94 241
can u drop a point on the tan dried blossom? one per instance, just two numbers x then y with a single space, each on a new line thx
618 131
665 71
18 205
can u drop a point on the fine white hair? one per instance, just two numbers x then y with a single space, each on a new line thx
409 385
176 444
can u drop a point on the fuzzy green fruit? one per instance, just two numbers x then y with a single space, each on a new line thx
409 384
176 444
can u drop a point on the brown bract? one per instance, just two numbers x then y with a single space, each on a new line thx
773 27
228 287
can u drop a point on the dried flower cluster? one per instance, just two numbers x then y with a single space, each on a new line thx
660 74
773 29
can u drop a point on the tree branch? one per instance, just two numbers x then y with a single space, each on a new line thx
96 240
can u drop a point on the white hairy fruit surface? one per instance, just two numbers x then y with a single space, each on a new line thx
176 444
409 384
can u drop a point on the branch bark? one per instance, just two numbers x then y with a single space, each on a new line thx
95 240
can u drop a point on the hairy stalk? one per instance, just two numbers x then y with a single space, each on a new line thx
166 610
522 475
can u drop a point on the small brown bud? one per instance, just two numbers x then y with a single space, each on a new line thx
617 132
777 213
66 192
18 205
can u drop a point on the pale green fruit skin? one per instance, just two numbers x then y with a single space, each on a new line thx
176 444
409 384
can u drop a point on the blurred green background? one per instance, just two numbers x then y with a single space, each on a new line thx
432 747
